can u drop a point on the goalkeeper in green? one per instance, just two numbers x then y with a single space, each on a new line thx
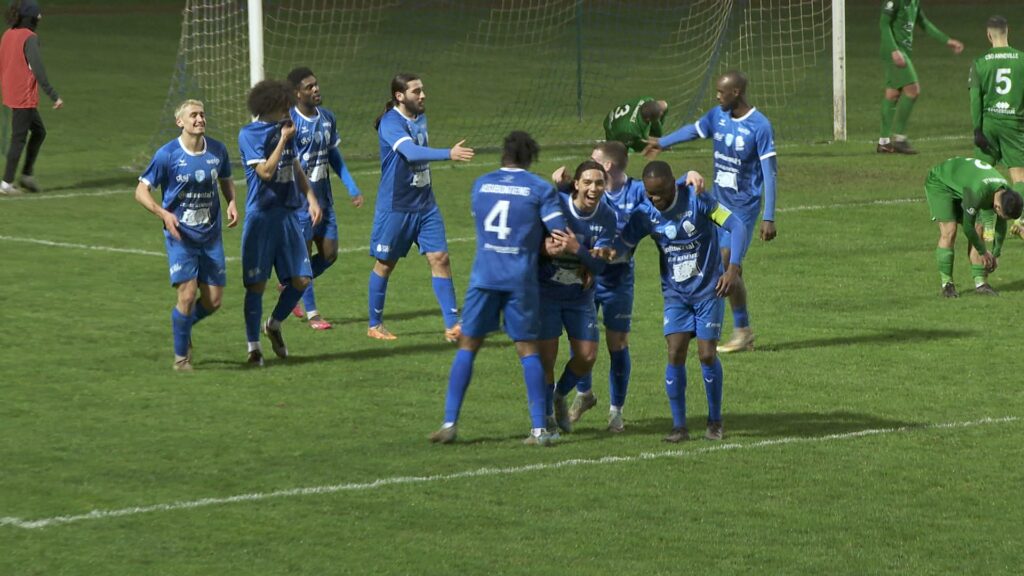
957 190
901 88
635 121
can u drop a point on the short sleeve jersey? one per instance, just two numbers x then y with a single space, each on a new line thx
623 202
188 182
404 186
971 181
740 144
998 76
560 277
257 141
626 125
314 139
687 241
511 208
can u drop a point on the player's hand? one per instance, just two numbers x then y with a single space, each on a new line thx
1017 228
586 276
171 224
651 150
606 253
767 230
693 178
58 104
727 281
981 141
287 129
232 214
561 178
955 45
570 245
357 200
552 247
898 59
461 153
314 210
989 261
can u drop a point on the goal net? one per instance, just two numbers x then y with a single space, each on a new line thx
552 67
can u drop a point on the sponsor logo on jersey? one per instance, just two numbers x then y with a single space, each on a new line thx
500 189
212 161
383 248
182 178
741 144
213 174
182 163
719 136
688 227
729 159
743 131
176 268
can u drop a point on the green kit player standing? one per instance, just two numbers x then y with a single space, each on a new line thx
901 88
635 121
957 190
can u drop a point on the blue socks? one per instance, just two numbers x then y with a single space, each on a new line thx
585 383
253 310
378 293
536 390
199 312
675 387
458 382
309 298
319 264
713 387
566 382
740 318
618 377
444 289
181 328
285 302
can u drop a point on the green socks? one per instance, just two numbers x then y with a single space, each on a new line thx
978 273
903 110
888 111
944 258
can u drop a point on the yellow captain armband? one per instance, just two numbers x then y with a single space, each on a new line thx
720 215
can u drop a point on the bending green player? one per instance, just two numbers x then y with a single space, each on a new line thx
957 191
901 88
635 121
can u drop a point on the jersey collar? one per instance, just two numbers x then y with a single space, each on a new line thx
304 117
745 116
189 152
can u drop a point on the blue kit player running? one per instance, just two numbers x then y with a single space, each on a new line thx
317 142
188 170
512 208
682 225
745 167
406 211
272 235
567 288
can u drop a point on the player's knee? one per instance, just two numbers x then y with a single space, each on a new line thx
707 357
300 282
439 261
912 91
676 357
212 304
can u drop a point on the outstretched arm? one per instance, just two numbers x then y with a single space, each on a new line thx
341 169
932 30
415 153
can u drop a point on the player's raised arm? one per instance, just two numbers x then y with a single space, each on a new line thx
267 169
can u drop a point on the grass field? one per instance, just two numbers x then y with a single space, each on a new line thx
877 428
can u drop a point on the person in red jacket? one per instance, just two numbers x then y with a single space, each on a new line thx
21 75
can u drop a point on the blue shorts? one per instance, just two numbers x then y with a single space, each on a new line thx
578 317
394 233
617 304
749 217
703 318
202 262
273 238
327 228
483 307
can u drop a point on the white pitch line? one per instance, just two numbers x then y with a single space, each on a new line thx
111 192
850 205
478 473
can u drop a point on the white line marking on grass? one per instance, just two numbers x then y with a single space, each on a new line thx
113 191
849 205
478 473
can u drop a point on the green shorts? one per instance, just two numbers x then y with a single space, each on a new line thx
1006 143
941 204
897 78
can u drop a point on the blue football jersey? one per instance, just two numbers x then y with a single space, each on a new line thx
623 202
560 277
687 241
739 146
512 208
189 185
404 186
257 141
314 139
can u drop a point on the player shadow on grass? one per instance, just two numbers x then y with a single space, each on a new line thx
1015 286
739 426
899 335
392 316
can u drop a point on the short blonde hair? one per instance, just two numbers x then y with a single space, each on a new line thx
190 102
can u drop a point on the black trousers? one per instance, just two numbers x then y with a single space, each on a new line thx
23 121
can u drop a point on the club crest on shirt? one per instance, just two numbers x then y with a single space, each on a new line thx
728 139
200 175
671 231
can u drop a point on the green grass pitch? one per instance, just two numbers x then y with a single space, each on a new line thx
876 430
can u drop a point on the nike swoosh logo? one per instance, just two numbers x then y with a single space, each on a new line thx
669 382
709 380
378 310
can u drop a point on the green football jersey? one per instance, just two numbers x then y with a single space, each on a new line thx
898 20
973 182
626 125
997 86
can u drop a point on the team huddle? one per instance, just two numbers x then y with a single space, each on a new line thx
551 255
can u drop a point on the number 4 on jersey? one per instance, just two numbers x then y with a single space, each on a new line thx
497 220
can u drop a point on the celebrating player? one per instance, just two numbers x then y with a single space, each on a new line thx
406 211
272 235
957 190
567 290
317 144
188 170
692 282
745 168
901 87
634 122
512 209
